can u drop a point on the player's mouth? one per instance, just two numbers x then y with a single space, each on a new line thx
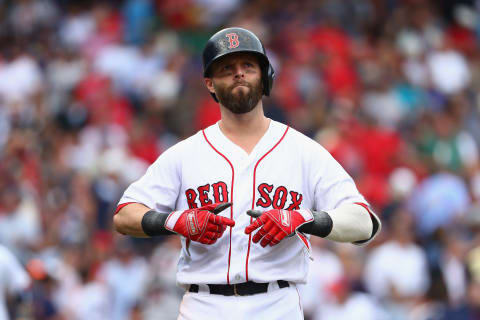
240 84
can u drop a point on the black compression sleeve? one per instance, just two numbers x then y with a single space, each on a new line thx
321 225
153 223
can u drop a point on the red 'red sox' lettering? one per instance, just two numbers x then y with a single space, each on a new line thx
279 198
268 196
296 200
220 192
202 193
191 197
264 200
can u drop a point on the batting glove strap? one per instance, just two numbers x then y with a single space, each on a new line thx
297 216
172 219
189 223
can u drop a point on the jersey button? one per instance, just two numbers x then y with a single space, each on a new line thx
237 277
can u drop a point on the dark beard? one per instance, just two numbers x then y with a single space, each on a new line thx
241 102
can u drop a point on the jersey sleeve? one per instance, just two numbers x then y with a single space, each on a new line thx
334 186
158 187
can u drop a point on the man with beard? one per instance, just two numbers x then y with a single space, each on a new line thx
279 187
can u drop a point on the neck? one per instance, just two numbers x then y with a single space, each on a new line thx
252 123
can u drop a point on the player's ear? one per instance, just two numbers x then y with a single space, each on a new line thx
209 84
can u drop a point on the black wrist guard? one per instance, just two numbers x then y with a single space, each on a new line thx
153 223
321 225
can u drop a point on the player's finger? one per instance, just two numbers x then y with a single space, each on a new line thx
207 241
259 235
208 207
220 207
214 227
219 220
278 237
263 231
255 224
218 234
271 230
266 240
215 207
211 235
204 240
227 222
220 229
254 213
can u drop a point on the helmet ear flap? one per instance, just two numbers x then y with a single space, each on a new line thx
268 78
214 96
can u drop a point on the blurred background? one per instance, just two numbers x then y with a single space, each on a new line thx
91 92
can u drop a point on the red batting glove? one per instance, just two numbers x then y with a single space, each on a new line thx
276 224
200 224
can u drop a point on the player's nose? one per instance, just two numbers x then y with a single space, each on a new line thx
238 71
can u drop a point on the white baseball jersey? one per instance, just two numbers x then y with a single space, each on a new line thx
285 170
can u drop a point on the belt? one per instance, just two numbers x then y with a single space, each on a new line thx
239 289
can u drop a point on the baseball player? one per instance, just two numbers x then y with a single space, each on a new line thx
244 194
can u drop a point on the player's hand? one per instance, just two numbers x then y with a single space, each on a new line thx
276 224
201 224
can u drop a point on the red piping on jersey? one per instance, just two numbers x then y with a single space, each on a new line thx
253 199
304 240
367 208
120 206
231 200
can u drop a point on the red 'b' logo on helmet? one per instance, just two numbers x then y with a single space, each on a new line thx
232 40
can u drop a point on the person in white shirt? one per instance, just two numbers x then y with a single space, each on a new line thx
14 279
396 272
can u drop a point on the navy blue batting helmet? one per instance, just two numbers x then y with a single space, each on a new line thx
232 40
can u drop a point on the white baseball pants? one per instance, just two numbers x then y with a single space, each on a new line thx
275 304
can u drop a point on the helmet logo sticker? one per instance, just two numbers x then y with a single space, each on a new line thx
232 40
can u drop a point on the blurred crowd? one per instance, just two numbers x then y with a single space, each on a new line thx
92 92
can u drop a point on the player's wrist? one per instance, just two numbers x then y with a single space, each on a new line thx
153 223
320 226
